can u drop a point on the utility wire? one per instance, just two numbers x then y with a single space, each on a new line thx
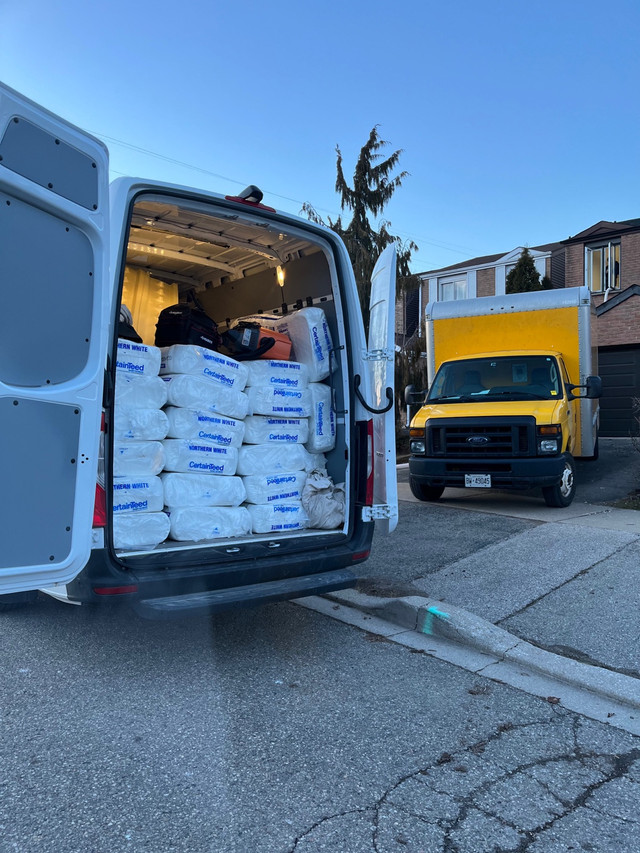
449 247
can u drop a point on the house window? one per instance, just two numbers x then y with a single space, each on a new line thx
602 266
452 288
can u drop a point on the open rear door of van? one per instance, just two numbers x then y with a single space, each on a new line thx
54 318
381 361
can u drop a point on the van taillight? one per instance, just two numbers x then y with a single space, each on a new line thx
100 508
115 590
368 501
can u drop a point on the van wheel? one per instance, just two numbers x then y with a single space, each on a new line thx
563 492
424 493
17 599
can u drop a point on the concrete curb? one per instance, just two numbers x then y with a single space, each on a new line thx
439 619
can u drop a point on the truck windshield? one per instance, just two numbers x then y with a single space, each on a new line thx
529 377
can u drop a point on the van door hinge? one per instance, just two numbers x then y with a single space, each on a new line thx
379 355
378 512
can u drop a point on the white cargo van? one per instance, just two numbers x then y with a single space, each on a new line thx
70 246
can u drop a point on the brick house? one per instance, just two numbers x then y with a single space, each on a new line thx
606 258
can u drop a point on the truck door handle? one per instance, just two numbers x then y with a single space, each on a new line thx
356 386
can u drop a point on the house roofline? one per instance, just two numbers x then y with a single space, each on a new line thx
618 298
489 261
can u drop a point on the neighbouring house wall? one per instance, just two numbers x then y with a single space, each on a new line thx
574 265
486 282
620 325
630 259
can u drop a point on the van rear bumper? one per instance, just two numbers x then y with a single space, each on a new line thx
514 473
222 585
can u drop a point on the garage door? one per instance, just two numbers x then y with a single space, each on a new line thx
620 372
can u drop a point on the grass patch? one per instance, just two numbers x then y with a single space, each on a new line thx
632 501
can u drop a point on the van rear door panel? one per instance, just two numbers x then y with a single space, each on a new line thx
55 294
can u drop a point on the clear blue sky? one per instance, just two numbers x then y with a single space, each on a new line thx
519 120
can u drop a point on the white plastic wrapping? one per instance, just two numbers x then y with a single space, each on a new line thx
196 392
322 421
139 424
138 359
270 488
260 429
139 392
280 402
274 458
324 502
199 456
137 494
191 423
137 458
267 321
311 339
193 524
202 490
134 531
199 361
278 516
277 374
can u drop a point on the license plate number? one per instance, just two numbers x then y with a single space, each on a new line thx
477 481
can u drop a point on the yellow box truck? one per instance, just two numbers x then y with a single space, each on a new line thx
503 409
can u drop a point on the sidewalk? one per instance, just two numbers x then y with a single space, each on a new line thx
561 594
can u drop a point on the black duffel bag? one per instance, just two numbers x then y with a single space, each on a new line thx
187 324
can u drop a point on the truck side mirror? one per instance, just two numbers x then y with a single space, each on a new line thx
593 385
413 397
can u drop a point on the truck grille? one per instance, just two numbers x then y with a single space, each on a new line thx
481 438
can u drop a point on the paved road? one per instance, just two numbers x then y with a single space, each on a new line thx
279 730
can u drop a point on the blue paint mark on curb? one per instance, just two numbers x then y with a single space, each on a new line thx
432 613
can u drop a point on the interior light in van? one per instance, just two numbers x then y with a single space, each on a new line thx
280 275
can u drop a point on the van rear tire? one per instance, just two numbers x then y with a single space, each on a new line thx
563 493
424 493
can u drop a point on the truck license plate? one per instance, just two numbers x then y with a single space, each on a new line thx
477 481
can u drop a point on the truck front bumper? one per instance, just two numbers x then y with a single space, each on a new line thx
515 473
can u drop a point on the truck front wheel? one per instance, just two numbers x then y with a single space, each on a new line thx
563 492
424 493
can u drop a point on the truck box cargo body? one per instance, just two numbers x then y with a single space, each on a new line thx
73 252
503 409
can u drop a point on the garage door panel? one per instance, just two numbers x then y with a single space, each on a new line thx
620 372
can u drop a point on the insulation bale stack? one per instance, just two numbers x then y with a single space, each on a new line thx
138 455
206 411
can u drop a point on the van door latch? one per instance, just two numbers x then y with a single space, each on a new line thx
378 512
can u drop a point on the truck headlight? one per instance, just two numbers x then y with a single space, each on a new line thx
549 439
417 445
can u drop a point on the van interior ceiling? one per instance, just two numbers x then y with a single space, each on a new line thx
234 265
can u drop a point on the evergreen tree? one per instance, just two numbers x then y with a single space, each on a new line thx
373 186
524 276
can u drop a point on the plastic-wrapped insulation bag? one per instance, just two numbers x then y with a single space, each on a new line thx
197 392
322 421
278 516
199 361
260 429
137 458
139 392
134 531
274 458
139 424
199 456
279 402
191 423
202 490
138 359
193 524
277 374
270 488
311 338
137 494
